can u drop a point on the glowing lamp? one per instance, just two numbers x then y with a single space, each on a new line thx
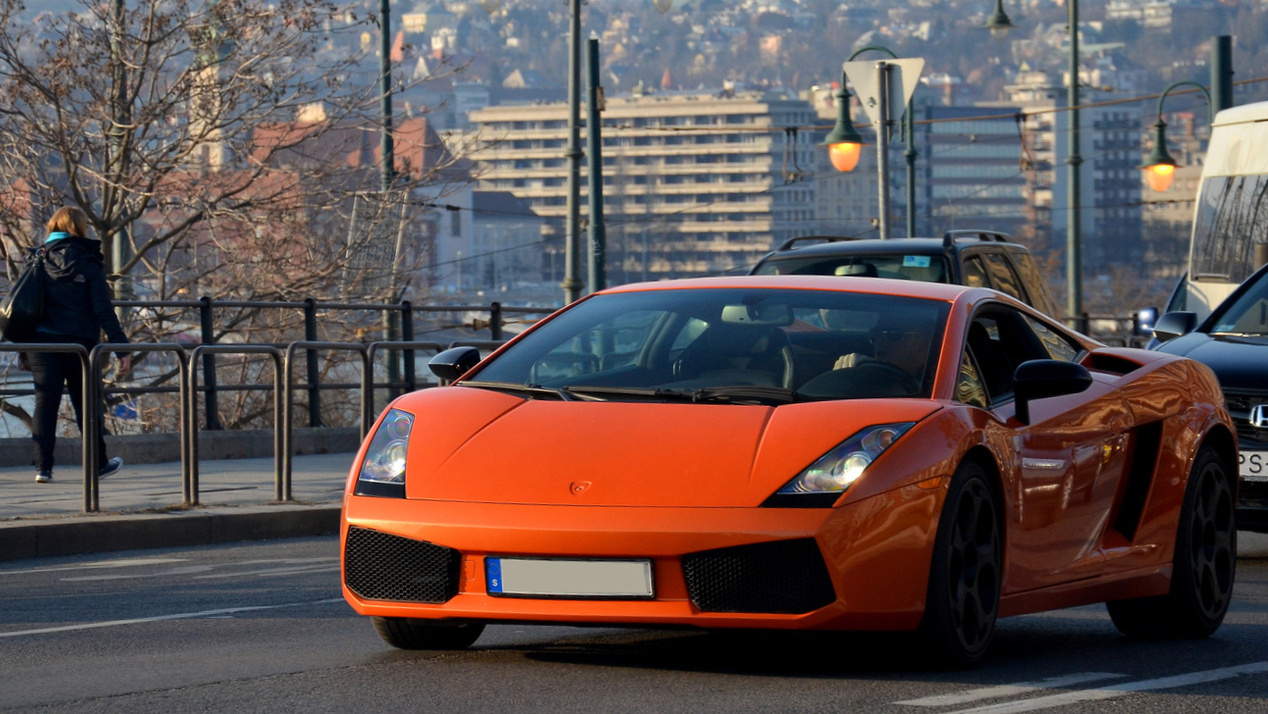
844 155
843 142
1159 168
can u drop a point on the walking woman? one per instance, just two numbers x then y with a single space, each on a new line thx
77 309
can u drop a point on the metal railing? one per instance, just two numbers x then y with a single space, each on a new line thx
93 397
400 318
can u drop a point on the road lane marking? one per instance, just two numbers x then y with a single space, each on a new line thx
1118 690
1010 690
290 567
123 563
297 570
161 618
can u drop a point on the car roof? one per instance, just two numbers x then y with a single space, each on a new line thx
864 246
875 286
846 245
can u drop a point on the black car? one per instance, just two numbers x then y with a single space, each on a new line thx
964 257
1233 342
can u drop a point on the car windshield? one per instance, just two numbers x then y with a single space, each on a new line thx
1248 315
727 345
925 268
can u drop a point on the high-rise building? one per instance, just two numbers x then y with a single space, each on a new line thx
694 183
1110 187
970 170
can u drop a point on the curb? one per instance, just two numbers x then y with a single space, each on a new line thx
75 536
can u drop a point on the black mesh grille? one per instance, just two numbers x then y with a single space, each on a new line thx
781 577
379 566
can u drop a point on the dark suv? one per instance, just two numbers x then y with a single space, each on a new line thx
978 258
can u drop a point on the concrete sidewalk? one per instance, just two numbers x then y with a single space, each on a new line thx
141 506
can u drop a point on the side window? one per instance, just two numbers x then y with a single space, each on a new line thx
994 368
1034 283
999 339
968 387
975 274
1057 345
1002 276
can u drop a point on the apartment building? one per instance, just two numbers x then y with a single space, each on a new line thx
1110 187
970 171
694 183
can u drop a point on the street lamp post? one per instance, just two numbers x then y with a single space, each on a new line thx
844 144
572 283
1160 167
999 24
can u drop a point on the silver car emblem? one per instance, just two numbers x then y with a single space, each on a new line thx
1259 416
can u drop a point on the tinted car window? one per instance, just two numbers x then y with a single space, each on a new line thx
1002 276
1248 315
975 274
1057 345
1033 282
968 386
825 344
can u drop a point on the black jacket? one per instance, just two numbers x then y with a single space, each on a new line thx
76 297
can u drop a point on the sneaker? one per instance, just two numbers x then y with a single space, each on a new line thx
44 477
111 466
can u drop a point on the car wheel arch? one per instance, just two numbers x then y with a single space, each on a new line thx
983 457
1223 442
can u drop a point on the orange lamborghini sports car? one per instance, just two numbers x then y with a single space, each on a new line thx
796 453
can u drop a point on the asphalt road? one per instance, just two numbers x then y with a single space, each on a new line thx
261 627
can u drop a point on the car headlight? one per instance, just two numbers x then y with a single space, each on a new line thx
383 468
822 482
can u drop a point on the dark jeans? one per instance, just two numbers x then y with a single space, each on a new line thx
51 371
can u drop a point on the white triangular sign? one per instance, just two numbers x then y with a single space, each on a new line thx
903 79
867 88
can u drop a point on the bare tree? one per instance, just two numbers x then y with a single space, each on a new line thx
217 146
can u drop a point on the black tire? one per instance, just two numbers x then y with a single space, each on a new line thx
1205 563
964 578
410 634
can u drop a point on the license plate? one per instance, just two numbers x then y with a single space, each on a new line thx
1253 465
573 579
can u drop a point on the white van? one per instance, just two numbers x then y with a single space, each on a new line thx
1230 222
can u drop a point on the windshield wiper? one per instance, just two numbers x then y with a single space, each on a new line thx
529 390
599 391
746 394
732 394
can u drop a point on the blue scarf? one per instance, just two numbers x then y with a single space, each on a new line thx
57 235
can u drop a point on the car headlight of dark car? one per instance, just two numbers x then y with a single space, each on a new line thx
820 484
383 468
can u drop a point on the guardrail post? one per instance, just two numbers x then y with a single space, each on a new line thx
209 365
310 335
407 335
495 321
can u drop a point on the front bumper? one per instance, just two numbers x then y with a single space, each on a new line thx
873 557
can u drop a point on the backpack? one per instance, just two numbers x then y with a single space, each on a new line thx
23 308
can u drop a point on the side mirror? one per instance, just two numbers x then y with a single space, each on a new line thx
1144 320
1041 378
1174 324
453 363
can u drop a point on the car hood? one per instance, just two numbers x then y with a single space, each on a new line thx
1238 362
478 445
